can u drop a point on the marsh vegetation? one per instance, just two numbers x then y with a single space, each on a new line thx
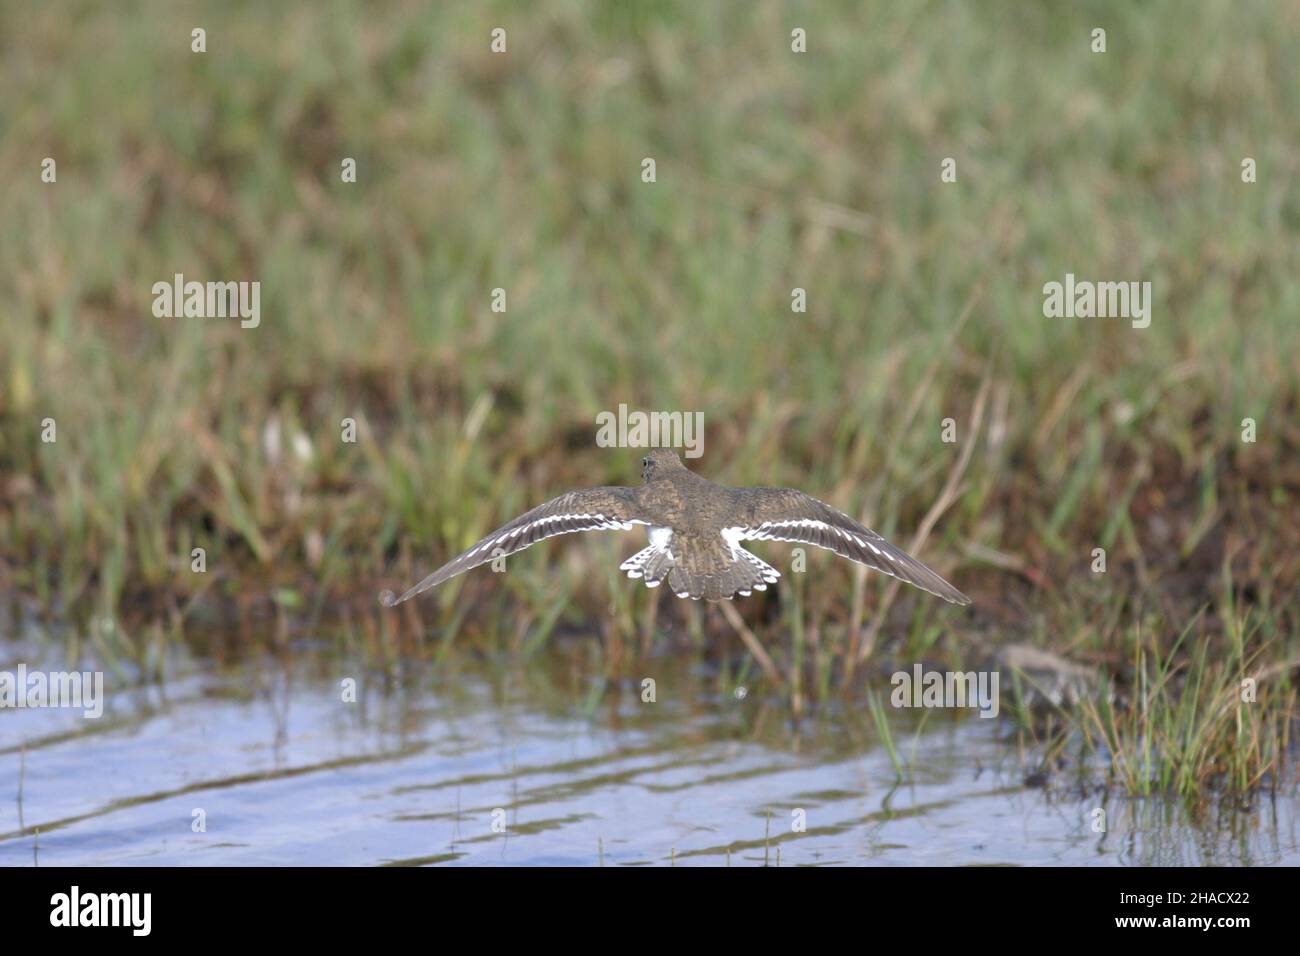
775 171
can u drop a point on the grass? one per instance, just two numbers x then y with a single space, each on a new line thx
775 171
1188 726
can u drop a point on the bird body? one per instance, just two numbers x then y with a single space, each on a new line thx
695 529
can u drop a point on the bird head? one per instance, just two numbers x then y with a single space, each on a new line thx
659 460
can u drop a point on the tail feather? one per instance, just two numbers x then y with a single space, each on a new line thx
715 575
651 564
715 572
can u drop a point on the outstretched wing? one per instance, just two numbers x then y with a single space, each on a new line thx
592 509
784 514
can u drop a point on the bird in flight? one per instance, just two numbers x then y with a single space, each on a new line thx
695 529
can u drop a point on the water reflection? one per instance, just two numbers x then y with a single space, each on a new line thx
488 763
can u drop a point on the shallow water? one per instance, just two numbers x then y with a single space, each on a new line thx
486 763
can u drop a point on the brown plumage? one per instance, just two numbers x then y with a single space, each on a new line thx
695 530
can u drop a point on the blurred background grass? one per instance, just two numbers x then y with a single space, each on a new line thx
775 171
